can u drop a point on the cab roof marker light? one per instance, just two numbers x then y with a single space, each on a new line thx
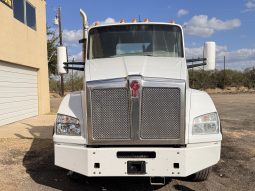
172 21
146 20
122 20
134 21
97 23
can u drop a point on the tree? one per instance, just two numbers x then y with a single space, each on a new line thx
52 51
249 80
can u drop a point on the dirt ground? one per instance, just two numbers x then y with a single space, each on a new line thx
28 163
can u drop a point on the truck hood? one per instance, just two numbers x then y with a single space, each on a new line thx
147 66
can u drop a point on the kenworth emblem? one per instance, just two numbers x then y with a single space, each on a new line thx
134 86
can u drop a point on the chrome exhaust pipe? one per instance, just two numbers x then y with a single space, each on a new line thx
85 32
157 181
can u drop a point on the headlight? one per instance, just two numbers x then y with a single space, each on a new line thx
206 124
66 125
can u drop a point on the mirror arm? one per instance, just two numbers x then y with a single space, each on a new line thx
82 41
195 60
74 63
68 67
74 68
196 65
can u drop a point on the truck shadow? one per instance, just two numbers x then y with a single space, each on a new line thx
39 164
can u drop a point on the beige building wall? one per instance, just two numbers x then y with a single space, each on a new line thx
24 46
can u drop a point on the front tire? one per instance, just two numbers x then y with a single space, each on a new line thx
201 175
73 176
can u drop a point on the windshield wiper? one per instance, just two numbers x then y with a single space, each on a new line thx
114 56
132 54
148 54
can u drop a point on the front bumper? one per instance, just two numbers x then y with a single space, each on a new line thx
191 159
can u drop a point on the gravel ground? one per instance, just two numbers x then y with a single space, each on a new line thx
27 163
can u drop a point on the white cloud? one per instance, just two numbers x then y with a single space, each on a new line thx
108 20
198 51
194 52
236 59
244 54
202 26
182 12
72 37
77 57
249 6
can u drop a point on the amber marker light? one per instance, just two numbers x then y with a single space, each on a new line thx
97 23
146 20
134 21
122 21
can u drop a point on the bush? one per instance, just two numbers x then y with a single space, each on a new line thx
200 79
71 83
54 86
74 83
249 78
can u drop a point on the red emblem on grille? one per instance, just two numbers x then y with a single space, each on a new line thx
134 88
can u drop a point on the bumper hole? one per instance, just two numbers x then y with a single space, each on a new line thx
136 167
96 165
135 154
176 165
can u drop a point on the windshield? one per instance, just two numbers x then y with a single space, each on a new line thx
135 40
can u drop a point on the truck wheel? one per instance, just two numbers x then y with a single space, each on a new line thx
201 175
73 176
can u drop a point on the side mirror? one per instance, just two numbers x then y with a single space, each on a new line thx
61 59
209 54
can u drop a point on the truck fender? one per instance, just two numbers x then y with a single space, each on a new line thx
201 103
71 105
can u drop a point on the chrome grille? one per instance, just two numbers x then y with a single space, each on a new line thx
155 117
110 114
160 113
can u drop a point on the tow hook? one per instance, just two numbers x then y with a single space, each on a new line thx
157 181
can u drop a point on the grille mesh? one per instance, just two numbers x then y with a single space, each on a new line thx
160 118
110 113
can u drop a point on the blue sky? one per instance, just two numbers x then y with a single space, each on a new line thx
230 23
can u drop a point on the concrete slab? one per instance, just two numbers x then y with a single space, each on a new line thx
40 127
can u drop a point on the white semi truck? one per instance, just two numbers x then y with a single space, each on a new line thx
137 115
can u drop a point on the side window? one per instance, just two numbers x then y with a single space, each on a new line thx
19 10
30 15
25 13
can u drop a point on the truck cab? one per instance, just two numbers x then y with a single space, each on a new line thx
137 115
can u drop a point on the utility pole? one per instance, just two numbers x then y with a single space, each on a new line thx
193 80
224 73
139 18
61 44
72 79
